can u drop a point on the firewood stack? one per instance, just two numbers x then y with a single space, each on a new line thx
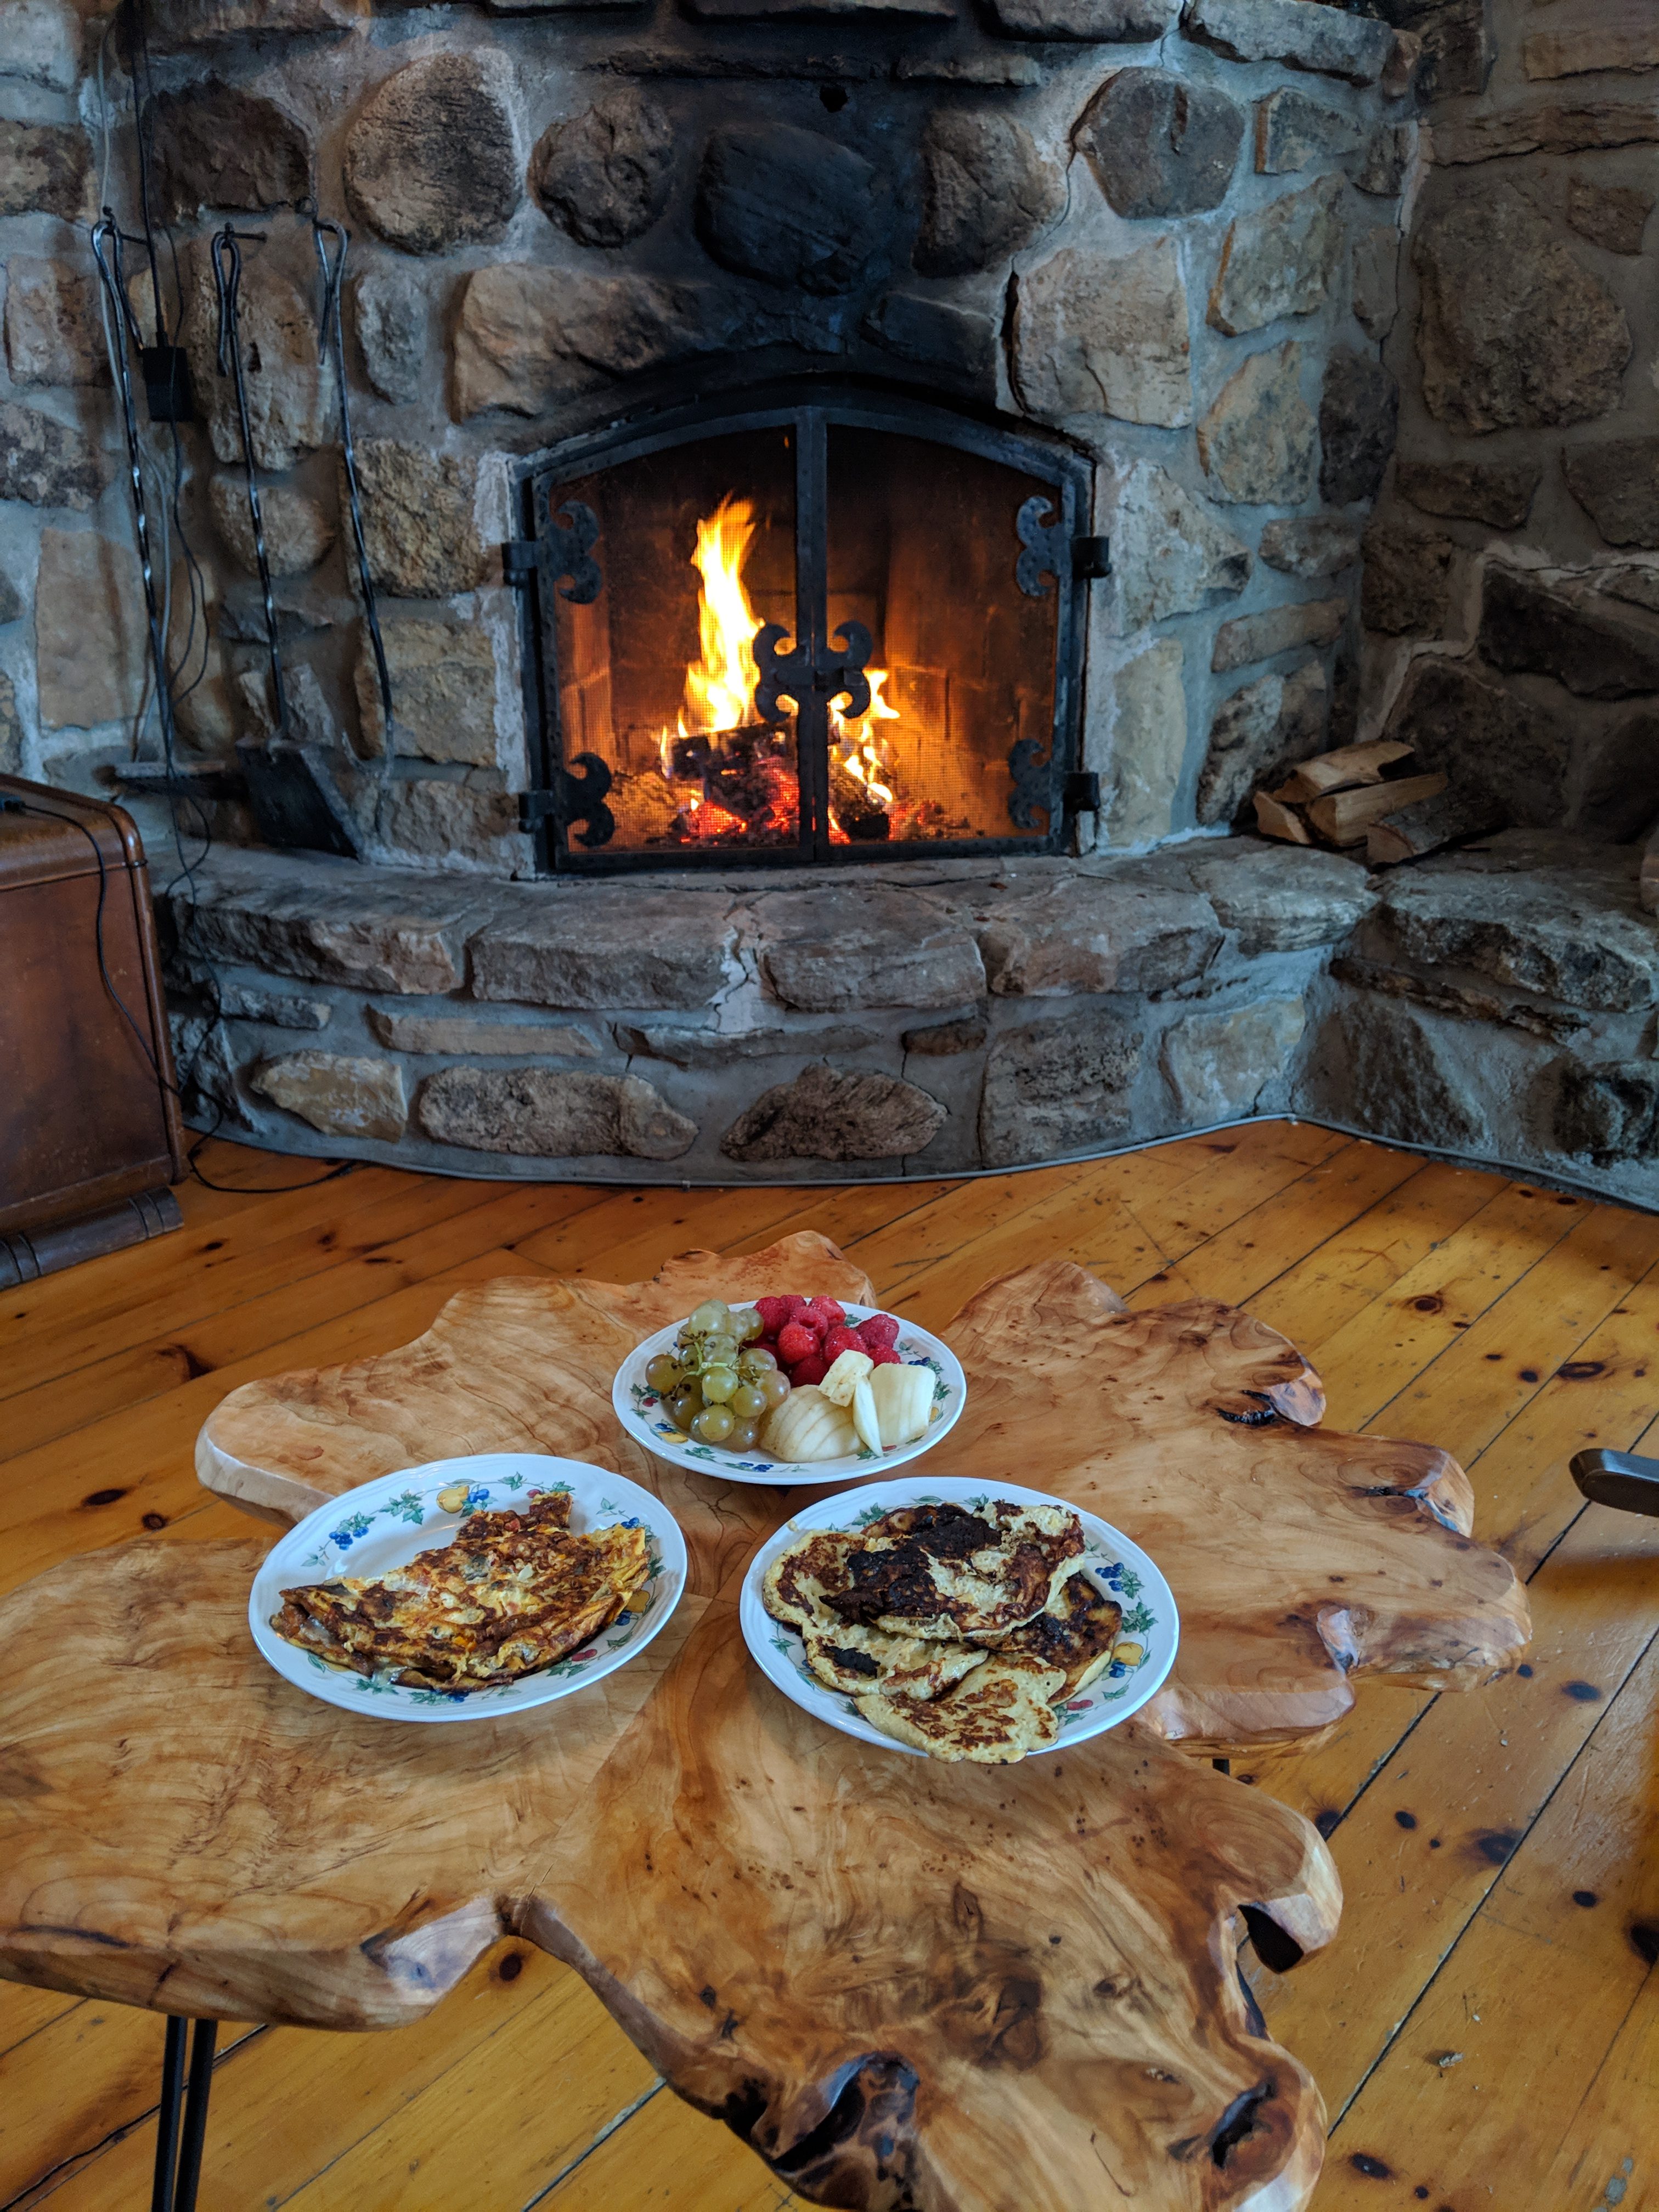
1366 795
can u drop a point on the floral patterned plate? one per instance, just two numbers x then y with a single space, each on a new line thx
383 1525
1147 1638
641 1412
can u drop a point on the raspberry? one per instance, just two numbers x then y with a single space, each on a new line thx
809 1371
824 1313
883 1355
881 1329
795 1343
773 1312
837 1340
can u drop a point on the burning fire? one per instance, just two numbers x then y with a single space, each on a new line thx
720 684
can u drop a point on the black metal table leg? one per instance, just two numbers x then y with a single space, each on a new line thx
166 2121
179 2146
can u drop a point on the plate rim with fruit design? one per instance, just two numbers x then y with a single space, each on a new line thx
640 1411
1116 1562
384 1523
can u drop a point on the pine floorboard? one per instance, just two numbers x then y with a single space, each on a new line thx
1486 2027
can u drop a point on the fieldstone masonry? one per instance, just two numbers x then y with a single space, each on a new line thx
1352 307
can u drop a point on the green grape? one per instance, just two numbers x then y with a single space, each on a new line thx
689 1356
753 1363
721 1350
712 1425
717 1384
746 1402
748 1324
743 1436
663 1374
711 1315
775 1387
685 1405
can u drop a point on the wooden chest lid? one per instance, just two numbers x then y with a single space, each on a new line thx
51 835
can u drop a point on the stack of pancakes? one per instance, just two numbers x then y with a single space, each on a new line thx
961 1633
509 1594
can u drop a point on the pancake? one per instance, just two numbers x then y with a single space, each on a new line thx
1001 1711
795 1583
1076 1633
856 1660
510 1593
938 1570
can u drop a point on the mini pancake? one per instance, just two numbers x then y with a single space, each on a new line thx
856 1660
798 1580
1076 1633
941 1571
999 1714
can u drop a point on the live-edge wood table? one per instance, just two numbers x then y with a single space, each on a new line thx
959 1989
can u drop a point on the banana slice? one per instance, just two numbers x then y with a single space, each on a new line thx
866 1420
850 1369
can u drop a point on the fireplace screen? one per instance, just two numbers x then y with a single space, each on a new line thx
817 632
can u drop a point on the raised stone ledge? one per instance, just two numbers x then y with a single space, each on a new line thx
768 1030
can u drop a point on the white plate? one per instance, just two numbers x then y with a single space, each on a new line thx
383 1524
1121 1568
641 1413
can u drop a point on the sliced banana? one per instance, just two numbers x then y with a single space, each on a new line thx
866 1420
903 1398
849 1369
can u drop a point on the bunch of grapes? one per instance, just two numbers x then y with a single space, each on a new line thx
717 1384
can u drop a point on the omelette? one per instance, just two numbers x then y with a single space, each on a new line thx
510 1593
961 1633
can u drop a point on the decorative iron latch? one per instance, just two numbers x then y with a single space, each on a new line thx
1050 553
574 798
796 674
562 549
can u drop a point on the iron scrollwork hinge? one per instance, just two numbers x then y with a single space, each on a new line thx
795 673
1049 554
563 550
573 798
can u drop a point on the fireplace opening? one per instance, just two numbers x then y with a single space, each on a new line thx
826 629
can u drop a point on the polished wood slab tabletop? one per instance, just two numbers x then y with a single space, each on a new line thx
903 1983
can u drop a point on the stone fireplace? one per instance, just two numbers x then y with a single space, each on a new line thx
858 494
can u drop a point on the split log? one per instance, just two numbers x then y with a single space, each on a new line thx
1344 817
1339 770
1425 827
1283 822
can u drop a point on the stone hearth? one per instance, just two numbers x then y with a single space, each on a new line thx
1498 1002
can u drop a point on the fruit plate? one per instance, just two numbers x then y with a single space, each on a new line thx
385 1523
641 1413
1119 1566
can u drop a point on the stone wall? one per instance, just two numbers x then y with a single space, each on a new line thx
1511 575
1152 227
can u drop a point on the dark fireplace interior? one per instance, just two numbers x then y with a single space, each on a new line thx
815 632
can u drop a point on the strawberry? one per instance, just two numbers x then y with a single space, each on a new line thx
883 1355
837 1340
796 1342
773 1312
809 1371
880 1330
825 1314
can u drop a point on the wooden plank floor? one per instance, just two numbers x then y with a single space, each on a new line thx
1486 2027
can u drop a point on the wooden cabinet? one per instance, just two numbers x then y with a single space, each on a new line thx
88 1120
